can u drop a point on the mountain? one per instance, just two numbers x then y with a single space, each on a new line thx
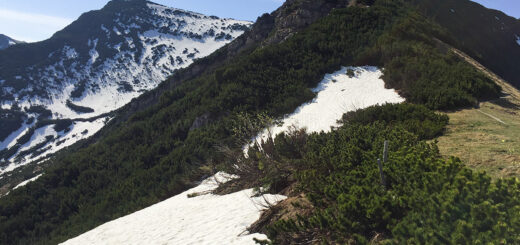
6 41
196 121
94 66
496 41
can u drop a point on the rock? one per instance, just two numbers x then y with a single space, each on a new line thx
201 121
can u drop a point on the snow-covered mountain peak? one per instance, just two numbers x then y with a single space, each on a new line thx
100 62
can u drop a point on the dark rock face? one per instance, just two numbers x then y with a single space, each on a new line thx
295 15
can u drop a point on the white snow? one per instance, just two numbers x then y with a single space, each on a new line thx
205 219
338 94
70 53
116 31
93 52
27 182
14 136
39 136
78 131
517 39
105 30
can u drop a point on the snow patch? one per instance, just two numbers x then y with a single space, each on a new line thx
93 52
10 141
338 94
212 219
116 31
105 30
27 181
205 219
78 131
517 39
70 53
39 136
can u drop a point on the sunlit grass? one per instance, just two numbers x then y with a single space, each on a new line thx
484 143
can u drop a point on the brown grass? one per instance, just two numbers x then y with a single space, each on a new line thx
479 139
484 143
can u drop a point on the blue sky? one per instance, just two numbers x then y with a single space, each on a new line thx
35 20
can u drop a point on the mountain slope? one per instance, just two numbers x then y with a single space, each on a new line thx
204 219
6 41
173 161
489 36
94 66
160 149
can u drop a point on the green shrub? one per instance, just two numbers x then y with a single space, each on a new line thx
415 118
428 199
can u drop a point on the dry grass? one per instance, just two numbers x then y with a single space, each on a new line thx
484 143
480 139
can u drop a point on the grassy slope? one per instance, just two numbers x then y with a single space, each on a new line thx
482 142
478 138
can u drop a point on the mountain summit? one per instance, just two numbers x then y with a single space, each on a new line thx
96 65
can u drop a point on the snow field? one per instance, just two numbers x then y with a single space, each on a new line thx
10 141
27 181
204 219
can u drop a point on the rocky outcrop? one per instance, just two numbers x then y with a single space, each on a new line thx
296 15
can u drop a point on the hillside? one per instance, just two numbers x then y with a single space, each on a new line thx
62 90
164 142
494 43
486 138
207 217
